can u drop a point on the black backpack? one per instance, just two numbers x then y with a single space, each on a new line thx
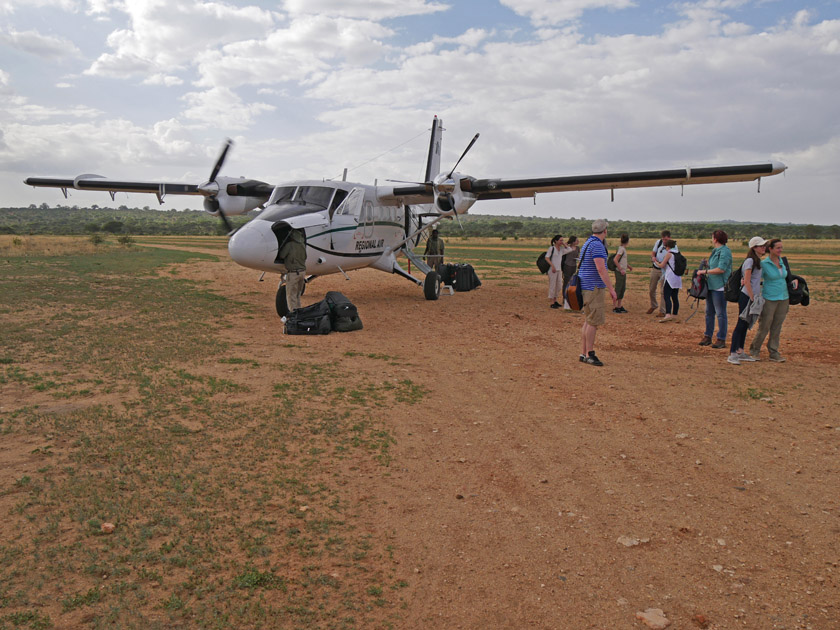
732 288
680 264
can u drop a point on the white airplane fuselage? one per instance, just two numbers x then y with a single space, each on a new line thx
346 228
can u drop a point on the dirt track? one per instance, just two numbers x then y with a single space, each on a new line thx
523 479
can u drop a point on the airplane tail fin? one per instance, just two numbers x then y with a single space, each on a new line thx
433 161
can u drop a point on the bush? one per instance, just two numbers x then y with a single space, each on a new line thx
96 239
126 240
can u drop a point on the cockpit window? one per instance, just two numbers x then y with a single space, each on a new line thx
316 195
282 194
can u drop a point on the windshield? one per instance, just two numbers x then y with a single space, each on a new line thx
282 194
316 195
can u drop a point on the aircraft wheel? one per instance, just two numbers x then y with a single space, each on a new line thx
280 302
431 286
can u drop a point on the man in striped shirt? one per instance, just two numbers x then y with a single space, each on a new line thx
594 279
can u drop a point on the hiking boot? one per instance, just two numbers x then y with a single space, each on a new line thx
555 305
660 314
719 343
778 359
705 341
744 357
650 310
592 359
733 359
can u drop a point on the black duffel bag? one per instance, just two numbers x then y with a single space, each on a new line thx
344 316
309 320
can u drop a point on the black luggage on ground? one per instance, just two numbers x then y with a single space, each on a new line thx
309 320
447 273
465 278
344 316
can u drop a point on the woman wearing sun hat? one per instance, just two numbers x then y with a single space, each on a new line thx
750 289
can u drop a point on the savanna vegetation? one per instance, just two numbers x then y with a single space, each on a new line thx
45 219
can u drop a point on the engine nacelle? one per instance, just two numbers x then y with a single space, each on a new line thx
229 204
449 196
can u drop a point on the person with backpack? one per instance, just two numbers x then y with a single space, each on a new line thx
774 290
554 256
656 279
672 283
720 268
569 265
621 269
594 280
751 289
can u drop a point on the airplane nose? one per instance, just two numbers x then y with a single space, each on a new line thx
251 247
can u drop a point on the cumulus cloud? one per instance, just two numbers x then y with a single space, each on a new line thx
363 9
165 36
555 12
44 46
222 108
307 48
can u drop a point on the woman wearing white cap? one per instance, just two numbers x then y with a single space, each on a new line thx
750 289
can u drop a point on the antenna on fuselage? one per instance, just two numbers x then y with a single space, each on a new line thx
344 177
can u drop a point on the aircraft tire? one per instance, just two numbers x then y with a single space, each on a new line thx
280 302
431 285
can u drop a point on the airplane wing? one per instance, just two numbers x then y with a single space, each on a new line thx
483 189
512 188
99 183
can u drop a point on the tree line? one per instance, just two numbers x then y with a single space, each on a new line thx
538 227
73 220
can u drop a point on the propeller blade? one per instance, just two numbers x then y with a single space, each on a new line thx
469 146
211 204
221 160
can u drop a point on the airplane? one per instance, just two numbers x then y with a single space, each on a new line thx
350 226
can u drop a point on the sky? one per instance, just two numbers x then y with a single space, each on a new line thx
150 89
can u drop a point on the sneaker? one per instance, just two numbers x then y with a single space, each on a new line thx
719 343
667 318
592 359
755 357
582 359
733 359
743 356
616 310
778 359
555 305
621 309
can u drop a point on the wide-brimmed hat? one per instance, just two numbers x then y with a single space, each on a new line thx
755 241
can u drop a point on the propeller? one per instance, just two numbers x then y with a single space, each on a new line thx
211 188
469 146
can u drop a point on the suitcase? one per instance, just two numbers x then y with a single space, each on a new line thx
465 278
447 273
309 320
344 317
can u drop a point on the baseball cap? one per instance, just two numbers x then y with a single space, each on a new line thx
599 225
755 241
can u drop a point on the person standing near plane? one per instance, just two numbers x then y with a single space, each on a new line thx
554 256
657 299
434 250
720 268
569 266
293 256
594 279
621 269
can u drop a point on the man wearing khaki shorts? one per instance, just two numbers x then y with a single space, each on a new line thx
594 280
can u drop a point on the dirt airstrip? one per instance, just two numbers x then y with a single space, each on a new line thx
529 490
